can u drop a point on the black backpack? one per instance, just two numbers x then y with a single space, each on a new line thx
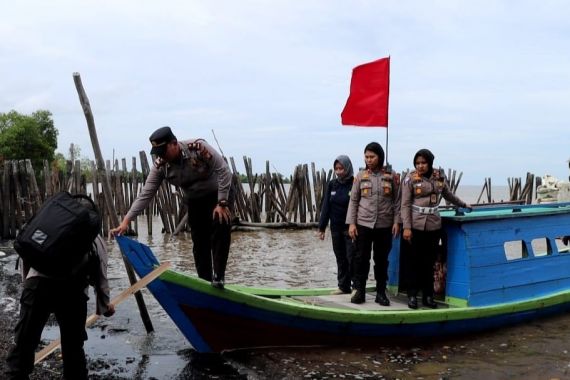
58 238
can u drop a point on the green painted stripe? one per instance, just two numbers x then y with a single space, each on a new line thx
257 299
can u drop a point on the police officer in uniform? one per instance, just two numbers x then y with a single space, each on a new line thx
373 217
205 178
65 298
422 190
334 208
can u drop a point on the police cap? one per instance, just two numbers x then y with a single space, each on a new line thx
159 139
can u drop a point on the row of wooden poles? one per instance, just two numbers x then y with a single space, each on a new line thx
517 192
263 201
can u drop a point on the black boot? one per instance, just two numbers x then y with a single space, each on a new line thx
428 301
358 296
218 282
412 302
381 298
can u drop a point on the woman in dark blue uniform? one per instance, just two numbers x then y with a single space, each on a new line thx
335 205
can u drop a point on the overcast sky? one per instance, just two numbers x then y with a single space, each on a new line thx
485 85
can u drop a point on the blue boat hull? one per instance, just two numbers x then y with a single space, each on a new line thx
216 320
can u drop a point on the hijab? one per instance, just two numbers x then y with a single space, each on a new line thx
348 172
428 156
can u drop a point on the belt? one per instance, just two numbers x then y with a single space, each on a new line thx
425 210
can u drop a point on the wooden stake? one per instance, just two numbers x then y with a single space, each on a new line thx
103 177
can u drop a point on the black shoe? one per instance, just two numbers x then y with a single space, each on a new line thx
412 302
429 302
358 296
218 282
382 299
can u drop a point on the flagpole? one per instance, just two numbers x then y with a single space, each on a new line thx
387 110
386 146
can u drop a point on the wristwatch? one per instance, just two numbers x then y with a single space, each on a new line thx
223 203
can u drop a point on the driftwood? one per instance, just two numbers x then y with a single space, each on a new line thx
281 225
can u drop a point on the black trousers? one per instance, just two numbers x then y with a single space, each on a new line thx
211 239
41 297
423 254
344 251
379 241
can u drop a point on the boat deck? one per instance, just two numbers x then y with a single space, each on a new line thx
342 301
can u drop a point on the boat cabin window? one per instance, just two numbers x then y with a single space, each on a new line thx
515 250
562 248
541 247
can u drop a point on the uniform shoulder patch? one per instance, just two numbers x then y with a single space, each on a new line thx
397 178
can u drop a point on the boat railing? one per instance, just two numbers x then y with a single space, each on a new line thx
513 205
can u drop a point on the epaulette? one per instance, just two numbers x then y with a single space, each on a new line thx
416 177
159 162
388 179
416 181
200 149
439 177
438 173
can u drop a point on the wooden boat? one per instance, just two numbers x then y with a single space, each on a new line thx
505 265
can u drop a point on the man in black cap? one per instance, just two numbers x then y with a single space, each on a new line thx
205 179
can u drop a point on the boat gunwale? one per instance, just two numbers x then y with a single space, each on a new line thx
494 213
237 294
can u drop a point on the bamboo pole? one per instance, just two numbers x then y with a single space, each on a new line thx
316 190
145 168
267 183
17 194
482 190
135 188
458 181
84 101
126 184
6 209
24 190
241 201
256 217
48 185
34 192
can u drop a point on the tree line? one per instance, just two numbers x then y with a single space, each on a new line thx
34 137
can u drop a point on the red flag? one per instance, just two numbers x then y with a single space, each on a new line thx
367 104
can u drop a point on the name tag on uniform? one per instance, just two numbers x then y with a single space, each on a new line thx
333 192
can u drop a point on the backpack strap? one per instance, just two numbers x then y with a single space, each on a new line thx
87 264
83 196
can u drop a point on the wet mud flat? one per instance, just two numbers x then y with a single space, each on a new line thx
119 347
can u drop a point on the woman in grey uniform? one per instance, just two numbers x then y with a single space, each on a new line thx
422 190
373 217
